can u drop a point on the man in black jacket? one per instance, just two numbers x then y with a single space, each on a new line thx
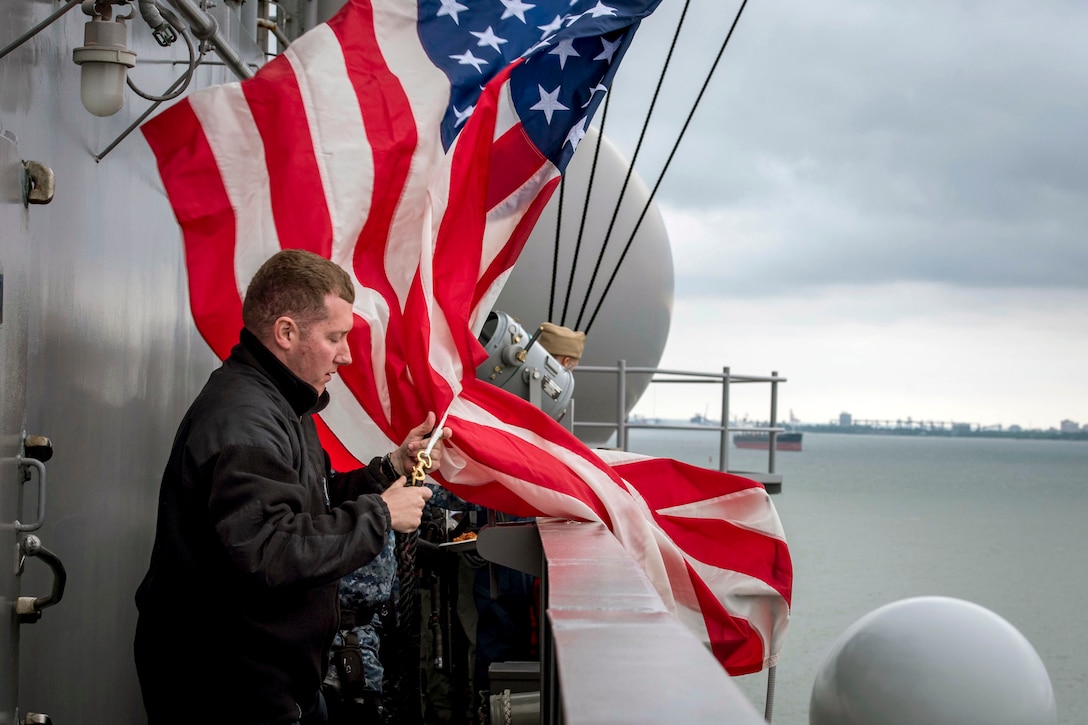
239 605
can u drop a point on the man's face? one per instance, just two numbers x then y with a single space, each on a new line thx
323 345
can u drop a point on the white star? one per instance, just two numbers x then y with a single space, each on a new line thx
609 50
489 38
544 43
462 116
572 19
564 50
577 133
599 88
451 8
601 9
515 7
548 103
551 27
467 58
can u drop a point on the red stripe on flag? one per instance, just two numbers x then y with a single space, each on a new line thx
514 160
725 543
339 456
195 187
726 546
359 376
691 483
392 137
298 196
390 131
517 456
520 460
734 642
515 244
416 378
461 232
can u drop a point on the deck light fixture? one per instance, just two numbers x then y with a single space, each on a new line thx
104 60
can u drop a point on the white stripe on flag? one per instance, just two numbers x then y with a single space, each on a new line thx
635 530
345 414
239 153
344 159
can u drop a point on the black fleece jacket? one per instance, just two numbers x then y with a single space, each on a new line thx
239 605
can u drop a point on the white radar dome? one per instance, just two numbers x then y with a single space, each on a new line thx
633 321
932 660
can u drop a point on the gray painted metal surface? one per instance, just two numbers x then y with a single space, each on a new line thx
13 345
622 657
109 353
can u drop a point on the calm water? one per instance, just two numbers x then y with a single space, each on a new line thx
874 519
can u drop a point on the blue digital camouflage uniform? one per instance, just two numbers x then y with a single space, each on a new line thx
442 498
365 590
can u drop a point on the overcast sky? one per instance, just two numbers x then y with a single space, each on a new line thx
886 202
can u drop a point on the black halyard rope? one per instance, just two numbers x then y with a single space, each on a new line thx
631 165
585 207
668 161
555 251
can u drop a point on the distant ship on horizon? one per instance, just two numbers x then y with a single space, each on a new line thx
701 419
762 441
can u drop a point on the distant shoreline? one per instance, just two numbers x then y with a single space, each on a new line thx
1034 434
935 431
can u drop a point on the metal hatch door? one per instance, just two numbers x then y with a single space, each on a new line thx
14 242
19 183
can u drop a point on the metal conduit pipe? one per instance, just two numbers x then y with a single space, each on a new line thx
270 25
205 27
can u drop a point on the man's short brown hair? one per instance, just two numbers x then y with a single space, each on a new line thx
293 283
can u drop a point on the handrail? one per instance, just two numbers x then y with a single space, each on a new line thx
622 424
610 650
616 653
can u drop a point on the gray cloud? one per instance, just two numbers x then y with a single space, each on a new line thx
872 143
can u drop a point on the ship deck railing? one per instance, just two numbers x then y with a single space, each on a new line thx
610 650
622 423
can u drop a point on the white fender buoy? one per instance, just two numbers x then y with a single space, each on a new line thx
932 660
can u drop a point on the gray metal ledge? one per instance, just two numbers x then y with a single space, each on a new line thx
619 655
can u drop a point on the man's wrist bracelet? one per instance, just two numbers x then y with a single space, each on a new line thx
388 470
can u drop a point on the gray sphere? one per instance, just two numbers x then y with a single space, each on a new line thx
932 660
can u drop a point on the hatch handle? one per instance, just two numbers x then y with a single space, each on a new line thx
29 609
25 464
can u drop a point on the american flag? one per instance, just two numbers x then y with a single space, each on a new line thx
415 144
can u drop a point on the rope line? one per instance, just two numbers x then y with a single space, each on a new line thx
631 165
555 251
585 206
668 161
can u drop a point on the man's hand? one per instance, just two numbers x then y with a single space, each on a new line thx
405 505
404 458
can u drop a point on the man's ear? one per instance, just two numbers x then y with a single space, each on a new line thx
285 333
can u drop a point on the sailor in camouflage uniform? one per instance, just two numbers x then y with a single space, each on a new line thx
353 686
